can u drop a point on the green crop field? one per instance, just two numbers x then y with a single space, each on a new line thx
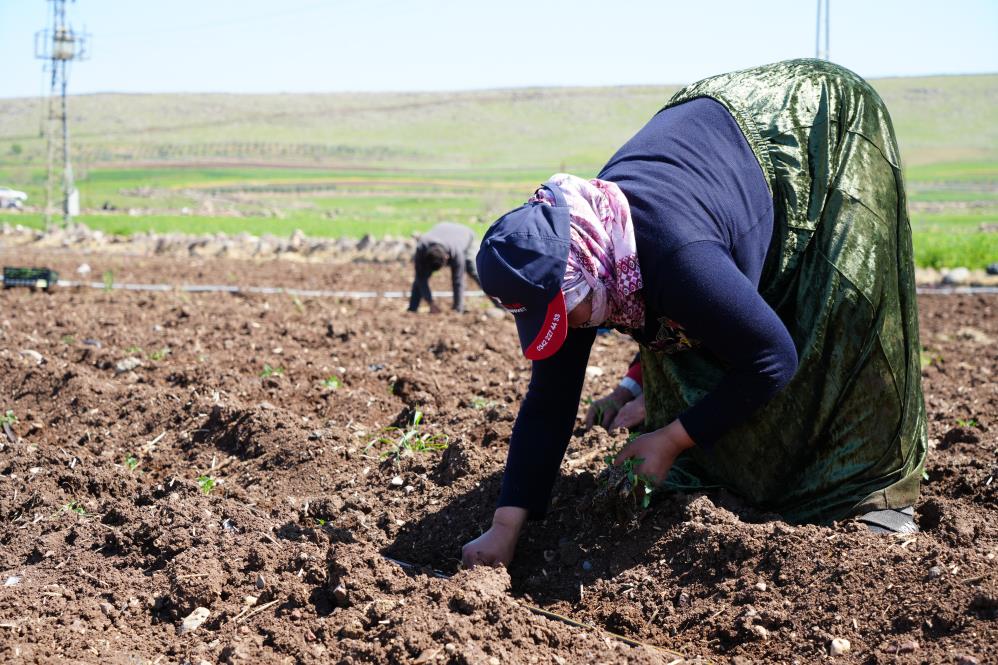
352 164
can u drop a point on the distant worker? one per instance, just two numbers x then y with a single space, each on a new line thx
449 243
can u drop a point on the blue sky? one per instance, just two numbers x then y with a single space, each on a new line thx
379 45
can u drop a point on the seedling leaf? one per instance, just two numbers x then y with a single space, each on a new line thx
160 355
206 484
402 442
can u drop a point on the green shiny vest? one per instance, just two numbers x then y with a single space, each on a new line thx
848 434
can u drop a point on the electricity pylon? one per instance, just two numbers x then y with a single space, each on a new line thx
60 45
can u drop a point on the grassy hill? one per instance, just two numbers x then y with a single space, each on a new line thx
335 164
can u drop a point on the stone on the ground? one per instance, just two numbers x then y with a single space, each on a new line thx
839 646
956 276
127 365
193 620
340 595
34 355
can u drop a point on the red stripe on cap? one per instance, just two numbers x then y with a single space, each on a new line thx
553 332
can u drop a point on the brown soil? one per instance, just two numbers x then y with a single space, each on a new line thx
103 562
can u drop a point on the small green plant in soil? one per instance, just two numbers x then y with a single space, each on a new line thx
410 440
134 351
132 462
8 418
68 340
271 371
74 507
332 382
966 423
927 358
638 487
206 484
600 410
479 402
108 280
159 355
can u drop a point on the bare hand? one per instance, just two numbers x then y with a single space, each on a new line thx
631 414
604 410
496 546
658 450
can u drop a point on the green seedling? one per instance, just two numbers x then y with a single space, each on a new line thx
600 410
108 280
481 403
68 340
298 304
206 484
271 371
132 462
927 358
966 423
403 442
640 486
75 507
159 355
320 522
134 351
8 418
332 382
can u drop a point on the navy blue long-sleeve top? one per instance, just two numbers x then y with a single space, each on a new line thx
703 222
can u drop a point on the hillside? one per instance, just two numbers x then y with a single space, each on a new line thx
938 119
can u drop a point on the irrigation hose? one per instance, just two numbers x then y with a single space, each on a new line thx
264 290
321 293
551 615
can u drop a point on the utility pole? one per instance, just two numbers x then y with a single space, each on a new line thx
60 45
818 52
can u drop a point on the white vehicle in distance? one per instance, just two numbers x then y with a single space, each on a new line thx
11 198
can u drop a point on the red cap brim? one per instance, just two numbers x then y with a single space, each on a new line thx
552 333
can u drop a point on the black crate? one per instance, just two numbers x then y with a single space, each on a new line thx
35 278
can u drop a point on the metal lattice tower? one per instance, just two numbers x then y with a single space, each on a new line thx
59 45
818 52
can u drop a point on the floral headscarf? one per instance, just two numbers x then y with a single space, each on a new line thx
603 258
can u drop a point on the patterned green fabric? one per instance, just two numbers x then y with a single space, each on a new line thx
848 434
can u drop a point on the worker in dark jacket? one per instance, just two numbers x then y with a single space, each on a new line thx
446 243
753 238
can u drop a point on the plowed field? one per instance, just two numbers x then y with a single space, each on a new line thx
166 452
